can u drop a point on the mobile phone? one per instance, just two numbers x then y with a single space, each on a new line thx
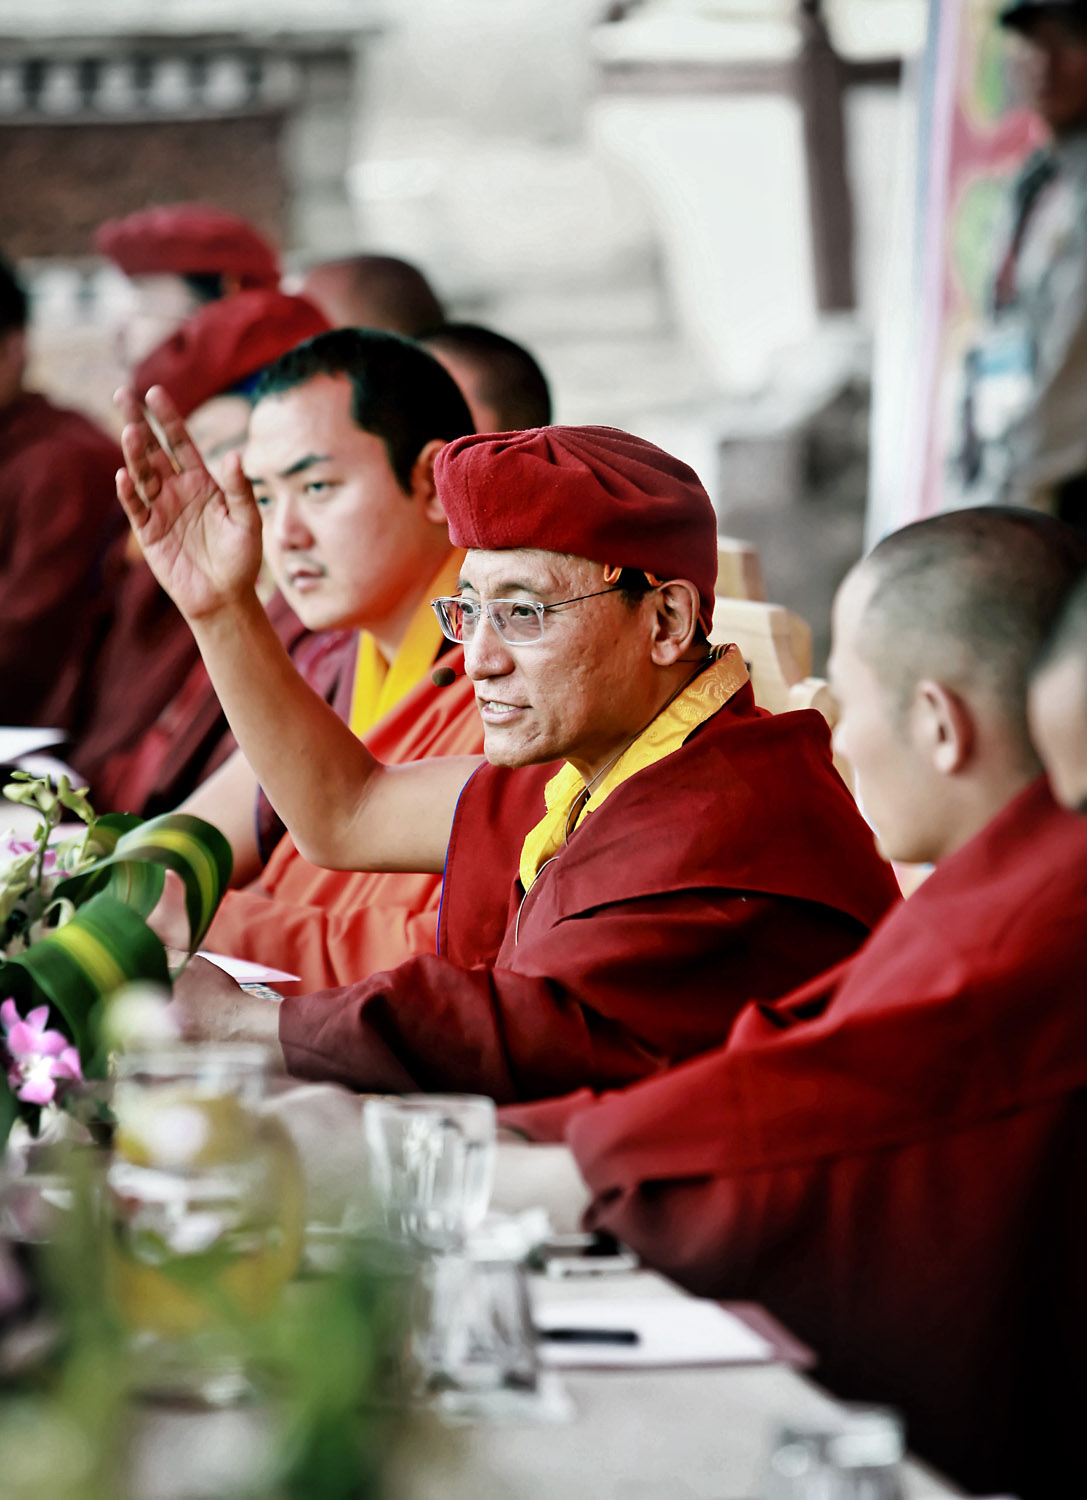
569 1255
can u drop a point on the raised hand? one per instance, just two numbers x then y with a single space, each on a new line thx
203 543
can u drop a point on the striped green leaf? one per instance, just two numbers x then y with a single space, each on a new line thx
104 946
138 853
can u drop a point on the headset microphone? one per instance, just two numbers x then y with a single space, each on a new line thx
443 676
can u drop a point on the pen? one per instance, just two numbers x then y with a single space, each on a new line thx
589 1335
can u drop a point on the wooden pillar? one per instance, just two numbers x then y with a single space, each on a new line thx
820 87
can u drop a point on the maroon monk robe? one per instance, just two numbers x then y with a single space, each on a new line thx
730 870
158 768
894 1160
58 517
140 666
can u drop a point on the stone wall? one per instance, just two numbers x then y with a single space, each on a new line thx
63 180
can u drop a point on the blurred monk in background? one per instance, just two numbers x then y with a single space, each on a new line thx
58 522
156 729
1057 704
502 383
176 258
371 291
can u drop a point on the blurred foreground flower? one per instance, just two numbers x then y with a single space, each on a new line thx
36 1058
73 933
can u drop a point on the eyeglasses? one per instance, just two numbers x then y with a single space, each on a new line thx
518 622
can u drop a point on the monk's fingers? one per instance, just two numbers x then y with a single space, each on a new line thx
135 507
128 404
172 428
237 491
144 460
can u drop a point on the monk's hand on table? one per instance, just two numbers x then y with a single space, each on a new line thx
208 1006
203 543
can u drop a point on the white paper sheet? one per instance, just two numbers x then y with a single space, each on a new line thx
671 1331
244 971
16 742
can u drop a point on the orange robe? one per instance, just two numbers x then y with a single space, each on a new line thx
335 926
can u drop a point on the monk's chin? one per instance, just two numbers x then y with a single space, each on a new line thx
501 751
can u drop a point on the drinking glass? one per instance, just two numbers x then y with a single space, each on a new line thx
473 1345
204 1201
432 1164
853 1454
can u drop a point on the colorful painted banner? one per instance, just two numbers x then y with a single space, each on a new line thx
971 136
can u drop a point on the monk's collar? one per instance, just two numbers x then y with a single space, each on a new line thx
699 701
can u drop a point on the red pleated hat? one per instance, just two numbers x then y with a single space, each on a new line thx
225 343
594 492
183 239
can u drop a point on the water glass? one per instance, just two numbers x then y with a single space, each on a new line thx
431 1164
854 1454
204 1202
473 1345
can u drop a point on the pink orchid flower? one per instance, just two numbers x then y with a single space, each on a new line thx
39 1058
17 848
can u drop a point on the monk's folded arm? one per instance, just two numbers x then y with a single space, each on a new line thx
584 1007
345 809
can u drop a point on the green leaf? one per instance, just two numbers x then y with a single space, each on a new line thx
104 946
138 853
8 1109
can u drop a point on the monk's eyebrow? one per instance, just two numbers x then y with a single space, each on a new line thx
295 468
502 586
305 463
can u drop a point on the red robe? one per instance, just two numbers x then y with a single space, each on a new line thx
733 869
333 926
148 765
894 1161
58 518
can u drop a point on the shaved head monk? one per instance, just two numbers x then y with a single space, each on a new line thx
645 852
1058 704
372 291
892 1159
502 383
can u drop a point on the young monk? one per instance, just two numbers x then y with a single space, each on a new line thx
893 1159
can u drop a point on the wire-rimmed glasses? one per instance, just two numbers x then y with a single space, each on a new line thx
518 622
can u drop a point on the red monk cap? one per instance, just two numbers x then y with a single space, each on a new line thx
594 492
225 343
188 239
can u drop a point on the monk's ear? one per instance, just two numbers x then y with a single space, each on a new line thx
942 727
675 620
423 487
